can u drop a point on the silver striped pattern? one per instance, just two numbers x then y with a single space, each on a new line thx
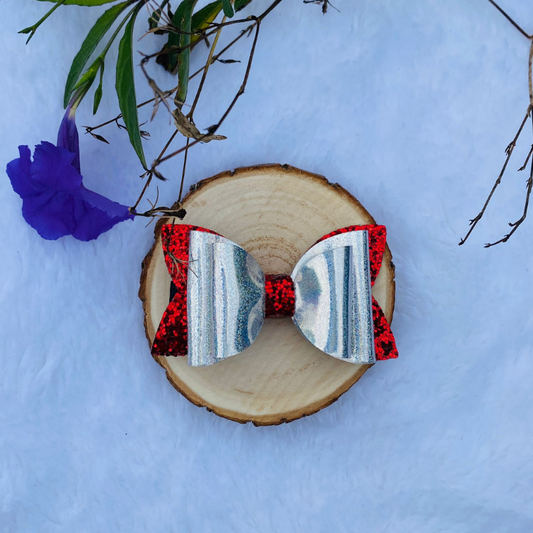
333 297
225 300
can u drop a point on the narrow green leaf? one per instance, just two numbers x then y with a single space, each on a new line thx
97 98
88 77
82 2
125 86
241 4
182 19
95 35
154 19
202 18
99 91
228 8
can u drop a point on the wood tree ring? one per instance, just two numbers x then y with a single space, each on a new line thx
276 213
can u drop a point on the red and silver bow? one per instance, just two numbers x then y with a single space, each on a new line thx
220 296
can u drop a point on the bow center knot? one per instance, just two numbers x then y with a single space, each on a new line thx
279 296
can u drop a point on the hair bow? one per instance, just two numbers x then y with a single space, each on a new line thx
220 296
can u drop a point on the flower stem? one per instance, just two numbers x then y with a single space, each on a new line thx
32 29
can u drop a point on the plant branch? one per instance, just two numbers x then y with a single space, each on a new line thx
509 152
204 75
185 124
185 157
90 129
32 29
524 33
516 225
240 92
510 148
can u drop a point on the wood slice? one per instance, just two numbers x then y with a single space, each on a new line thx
276 213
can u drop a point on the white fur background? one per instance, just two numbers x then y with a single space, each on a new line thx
409 105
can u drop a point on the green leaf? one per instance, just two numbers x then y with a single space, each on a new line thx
241 4
99 91
182 20
202 18
82 2
89 45
200 21
154 19
89 76
228 8
125 86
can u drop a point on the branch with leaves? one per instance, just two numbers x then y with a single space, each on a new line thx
184 28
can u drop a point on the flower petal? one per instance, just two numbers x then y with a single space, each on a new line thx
95 214
51 213
19 172
67 137
52 166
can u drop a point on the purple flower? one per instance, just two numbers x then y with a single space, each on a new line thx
54 200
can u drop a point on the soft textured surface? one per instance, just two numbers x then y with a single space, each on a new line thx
407 104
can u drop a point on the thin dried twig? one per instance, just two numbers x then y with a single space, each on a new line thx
211 130
524 33
185 124
516 225
170 92
510 148
509 152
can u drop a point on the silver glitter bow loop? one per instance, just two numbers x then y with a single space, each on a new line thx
333 298
226 299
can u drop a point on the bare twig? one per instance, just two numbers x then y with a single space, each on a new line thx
240 92
204 75
510 148
168 93
194 104
509 152
185 124
523 167
150 175
516 225
524 33
184 169
161 212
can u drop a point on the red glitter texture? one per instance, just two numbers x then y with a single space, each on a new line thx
171 336
279 298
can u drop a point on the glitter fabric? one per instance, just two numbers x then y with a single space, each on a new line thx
384 342
171 336
225 299
377 238
279 296
333 292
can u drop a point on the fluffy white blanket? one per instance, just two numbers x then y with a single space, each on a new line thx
410 106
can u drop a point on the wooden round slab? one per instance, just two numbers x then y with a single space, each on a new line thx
276 213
